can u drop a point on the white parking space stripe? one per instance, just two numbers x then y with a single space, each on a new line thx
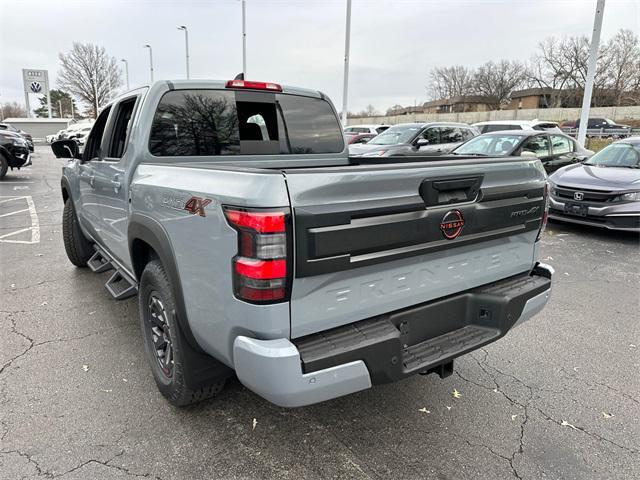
13 213
35 222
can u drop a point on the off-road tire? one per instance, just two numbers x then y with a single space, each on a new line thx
79 248
154 283
4 166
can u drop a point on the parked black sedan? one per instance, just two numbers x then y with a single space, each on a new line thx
554 150
14 152
603 191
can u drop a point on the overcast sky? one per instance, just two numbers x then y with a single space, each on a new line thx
394 44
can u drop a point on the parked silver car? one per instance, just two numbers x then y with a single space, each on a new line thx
603 191
408 139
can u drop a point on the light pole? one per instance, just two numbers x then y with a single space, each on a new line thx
244 41
186 45
345 86
126 70
150 61
591 73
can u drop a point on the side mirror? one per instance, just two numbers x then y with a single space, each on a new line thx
421 142
65 149
364 140
527 153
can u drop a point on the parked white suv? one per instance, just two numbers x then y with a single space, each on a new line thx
356 129
497 125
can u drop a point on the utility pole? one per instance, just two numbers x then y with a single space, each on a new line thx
126 70
73 115
150 61
244 40
60 107
345 86
591 73
186 45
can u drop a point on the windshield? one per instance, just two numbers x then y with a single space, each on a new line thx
609 121
396 135
489 145
621 155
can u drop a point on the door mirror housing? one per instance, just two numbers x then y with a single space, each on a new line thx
421 142
527 153
65 149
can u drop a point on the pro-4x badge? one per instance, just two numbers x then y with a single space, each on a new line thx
196 206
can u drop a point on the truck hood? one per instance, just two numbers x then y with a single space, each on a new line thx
595 178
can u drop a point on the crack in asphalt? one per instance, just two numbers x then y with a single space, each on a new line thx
30 459
108 464
33 344
484 366
601 384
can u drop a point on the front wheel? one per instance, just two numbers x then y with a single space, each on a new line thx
4 166
162 339
79 249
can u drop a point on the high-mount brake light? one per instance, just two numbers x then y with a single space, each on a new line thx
545 213
261 268
274 87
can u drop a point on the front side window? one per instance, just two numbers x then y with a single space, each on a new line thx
561 145
432 136
92 146
450 135
227 122
121 127
539 146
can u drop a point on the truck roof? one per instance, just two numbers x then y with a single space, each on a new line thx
181 84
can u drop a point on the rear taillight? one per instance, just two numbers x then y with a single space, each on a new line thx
261 270
545 214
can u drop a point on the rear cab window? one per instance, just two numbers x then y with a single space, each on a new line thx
228 122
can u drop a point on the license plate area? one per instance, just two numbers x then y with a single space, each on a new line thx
576 209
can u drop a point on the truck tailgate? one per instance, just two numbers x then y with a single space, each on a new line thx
372 239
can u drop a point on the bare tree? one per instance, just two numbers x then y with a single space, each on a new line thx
623 72
90 74
498 80
369 111
448 82
12 110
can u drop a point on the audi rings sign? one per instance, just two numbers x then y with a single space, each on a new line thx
37 82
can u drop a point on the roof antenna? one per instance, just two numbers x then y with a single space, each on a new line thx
239 76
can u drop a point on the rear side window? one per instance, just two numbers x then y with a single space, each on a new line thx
561 144
537 145
227 122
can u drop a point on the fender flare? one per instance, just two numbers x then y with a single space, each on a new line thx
201 369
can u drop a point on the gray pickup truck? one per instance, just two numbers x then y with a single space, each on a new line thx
256 245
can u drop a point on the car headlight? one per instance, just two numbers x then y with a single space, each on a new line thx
377 153
629 197
19 142
552 188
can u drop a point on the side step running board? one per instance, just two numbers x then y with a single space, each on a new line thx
99 262
120 284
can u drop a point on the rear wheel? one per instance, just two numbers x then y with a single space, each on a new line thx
4 166
79 249
162 339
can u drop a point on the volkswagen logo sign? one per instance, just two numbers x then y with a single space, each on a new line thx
578 196
451 224
35 87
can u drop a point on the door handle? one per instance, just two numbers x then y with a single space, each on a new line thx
87 178
115 183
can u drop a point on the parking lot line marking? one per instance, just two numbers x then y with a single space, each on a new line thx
13 213
35 223
9 199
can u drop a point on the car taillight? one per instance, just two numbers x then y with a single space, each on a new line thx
545 214
261 268
253 85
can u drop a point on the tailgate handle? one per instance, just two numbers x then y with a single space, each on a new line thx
450 190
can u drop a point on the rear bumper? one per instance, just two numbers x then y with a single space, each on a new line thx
421 339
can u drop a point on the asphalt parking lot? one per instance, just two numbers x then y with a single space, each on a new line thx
558 397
